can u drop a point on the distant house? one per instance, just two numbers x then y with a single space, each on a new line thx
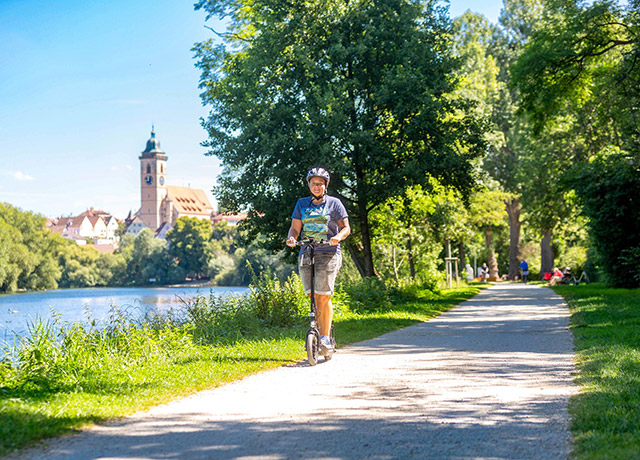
165 228
98 228
135 226
95 225
112 225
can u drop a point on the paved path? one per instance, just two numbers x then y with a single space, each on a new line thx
489 379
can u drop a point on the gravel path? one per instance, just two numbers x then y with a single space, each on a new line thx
489 379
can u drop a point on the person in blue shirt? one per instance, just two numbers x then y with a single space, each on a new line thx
524 266
322 217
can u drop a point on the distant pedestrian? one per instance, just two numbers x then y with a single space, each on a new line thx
524 266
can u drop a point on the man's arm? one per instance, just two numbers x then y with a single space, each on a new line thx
344 231
294 232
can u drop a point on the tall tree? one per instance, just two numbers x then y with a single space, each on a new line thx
488 216
517 21
579 78
483 81
487 52
363 88
190 244
27 257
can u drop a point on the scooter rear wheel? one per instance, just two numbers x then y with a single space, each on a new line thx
313 347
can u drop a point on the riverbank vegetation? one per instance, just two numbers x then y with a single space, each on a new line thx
604 414
66 376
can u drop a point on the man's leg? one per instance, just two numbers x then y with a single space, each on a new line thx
325 313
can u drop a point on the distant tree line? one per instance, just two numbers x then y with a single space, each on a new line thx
32 257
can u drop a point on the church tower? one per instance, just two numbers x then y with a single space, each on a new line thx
153 187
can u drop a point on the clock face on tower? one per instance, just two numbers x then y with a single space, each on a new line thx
148 180
161 180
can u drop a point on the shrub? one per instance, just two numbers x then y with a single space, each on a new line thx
629 262
366 295
220 318
277 304
609 188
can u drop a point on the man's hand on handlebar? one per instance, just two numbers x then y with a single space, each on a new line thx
291 241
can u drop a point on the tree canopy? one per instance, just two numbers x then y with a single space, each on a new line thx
362 88
190 245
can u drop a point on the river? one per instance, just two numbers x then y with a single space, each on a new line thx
17 311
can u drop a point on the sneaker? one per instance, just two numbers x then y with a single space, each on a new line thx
325 341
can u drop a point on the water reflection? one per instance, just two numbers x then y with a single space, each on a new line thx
17 311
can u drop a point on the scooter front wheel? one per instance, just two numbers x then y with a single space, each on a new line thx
313 348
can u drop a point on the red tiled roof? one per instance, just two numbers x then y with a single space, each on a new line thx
94 220
189 200
103 248
94 213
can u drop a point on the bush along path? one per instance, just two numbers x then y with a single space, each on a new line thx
488 379
66 377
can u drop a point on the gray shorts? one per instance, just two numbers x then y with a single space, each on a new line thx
327 266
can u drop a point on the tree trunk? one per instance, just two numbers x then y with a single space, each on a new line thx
412 268
367 268
493 261
513 210
367 255
462 255
546 253
395 265
355 251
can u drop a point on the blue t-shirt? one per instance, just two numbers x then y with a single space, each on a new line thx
524 266
320 221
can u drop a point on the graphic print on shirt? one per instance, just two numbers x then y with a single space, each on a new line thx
315 222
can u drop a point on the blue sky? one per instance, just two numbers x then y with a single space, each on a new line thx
81 84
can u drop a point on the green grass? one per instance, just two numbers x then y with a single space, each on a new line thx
65 379
605 415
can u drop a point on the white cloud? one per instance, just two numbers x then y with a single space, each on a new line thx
19 175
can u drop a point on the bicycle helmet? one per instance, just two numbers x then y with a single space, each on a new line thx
319 172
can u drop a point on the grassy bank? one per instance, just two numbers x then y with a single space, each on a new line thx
605 415
68 376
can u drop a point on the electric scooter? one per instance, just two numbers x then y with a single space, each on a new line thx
312 344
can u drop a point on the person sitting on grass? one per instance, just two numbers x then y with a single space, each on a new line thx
556 277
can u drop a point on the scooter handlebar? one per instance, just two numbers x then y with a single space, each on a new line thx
312 242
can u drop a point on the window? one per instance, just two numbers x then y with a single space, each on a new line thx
148 169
